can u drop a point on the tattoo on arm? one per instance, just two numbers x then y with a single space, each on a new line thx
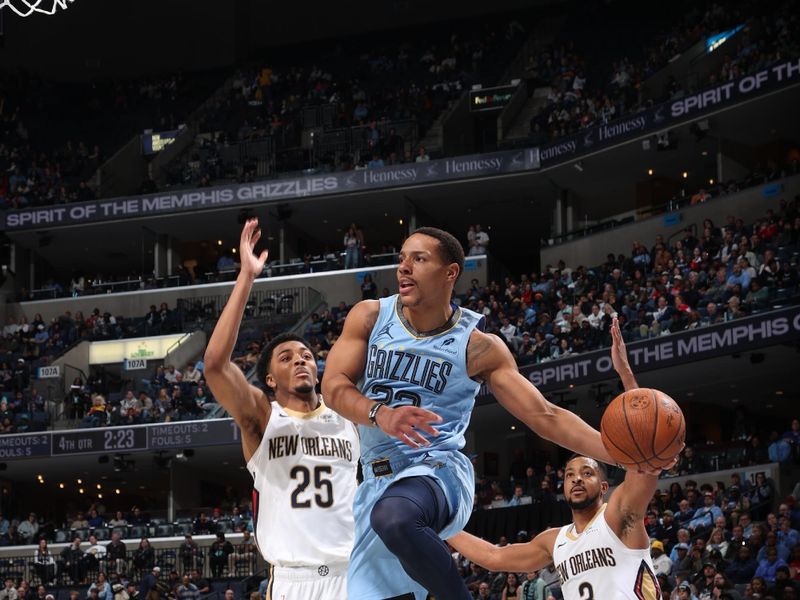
628 521
477 349
370 321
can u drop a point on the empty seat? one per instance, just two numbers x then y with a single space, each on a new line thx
61 536
122 530
138 531
165 530
102 533
224 526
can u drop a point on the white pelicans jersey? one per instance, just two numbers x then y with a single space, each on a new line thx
596 565
304 479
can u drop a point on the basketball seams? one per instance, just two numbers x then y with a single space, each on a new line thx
655 423
617 446
650 423
677 433
633 436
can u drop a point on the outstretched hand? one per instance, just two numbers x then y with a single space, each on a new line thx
407 423
619 354
251 264
657 472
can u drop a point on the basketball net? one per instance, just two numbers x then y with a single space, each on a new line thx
25 8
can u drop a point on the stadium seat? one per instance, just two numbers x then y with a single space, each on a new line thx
182 529
224 526
61 536
165 530
82 532
102 533
138 531
121 530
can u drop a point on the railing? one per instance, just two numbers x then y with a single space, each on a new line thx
63 568
261 303
331 262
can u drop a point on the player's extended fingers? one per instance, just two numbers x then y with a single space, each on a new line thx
425 415
256 236
407 439
417 437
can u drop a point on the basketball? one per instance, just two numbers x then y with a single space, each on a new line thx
643 428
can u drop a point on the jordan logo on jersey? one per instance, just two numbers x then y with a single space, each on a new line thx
385 332
584 561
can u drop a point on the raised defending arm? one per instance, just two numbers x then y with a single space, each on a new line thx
244 402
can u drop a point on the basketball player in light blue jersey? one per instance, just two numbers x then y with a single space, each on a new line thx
407 369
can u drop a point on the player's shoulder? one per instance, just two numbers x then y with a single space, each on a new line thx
547 540
486 351
365 313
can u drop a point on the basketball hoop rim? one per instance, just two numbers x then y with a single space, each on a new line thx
33 7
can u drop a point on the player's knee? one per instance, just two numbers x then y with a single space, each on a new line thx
391 520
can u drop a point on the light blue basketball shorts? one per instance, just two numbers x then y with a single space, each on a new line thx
374 572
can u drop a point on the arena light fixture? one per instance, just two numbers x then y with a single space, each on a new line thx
650 172
685 174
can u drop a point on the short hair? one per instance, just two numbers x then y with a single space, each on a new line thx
601 467
262 367
450 249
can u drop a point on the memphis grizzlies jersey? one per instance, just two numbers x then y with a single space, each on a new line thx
596 564
304 479
405 367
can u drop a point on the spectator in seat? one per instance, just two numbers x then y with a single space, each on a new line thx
8 592
244 554
768 567
220 550
28 529
102 587
144 557
771 541
94 555
191 375
44 563
517 496
202 584
187 590
118 520
137 517
762 496
188 553
116 553
661 562
72 563
743 566
785 587
704 517
95 520
688 463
